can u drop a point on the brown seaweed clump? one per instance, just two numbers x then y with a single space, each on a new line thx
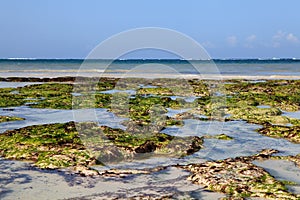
239 178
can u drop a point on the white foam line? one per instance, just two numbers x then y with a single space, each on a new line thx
52 74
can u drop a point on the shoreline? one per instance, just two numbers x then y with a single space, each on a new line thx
69 77
259 117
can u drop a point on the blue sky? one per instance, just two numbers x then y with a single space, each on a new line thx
226 28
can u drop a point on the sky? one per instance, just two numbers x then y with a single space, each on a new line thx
225 28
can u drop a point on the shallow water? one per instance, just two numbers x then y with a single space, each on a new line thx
20 181
48 116
282 170
263 106
130 92
255 68
172 112
246 141
16 84
295 115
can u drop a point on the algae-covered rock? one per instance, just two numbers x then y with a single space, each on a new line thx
283 94
239 178
49 146
137 144
55 146
219 137
9 97
253 114
291 133
9 118
155 91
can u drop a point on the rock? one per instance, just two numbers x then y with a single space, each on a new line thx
85 171
148 146
181 146
239 178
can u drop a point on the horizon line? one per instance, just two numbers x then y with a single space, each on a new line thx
152 59
191 59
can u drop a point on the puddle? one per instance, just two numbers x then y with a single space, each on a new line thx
76 94
282 170
263 106
130 92
201 116
147 86
4 84
257 81
48 116
15 92
295 115
172 112
187 99
246 141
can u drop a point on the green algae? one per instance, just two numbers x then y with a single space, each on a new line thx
45 145
283 94
255 115
149 105
9 98
291 133
129 140
46 90
50 95
219 137
146 110
245 98
9 118
155 91
288 183
85 144
157 143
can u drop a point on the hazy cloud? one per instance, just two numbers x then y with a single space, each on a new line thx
281 37
232 40
251 38
292 38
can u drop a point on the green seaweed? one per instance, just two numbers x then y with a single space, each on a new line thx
9 98
149 105
85 144
288 183
291 133
9 118
283 94
219 137
44 144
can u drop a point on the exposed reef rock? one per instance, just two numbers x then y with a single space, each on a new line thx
239 178
54 146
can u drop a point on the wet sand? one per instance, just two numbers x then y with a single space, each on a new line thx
21 181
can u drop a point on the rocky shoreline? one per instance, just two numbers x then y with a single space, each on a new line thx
79 147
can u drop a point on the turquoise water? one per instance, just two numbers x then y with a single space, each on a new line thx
67 67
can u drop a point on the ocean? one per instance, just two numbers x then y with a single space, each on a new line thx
230 68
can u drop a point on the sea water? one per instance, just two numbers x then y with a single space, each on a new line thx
241 68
